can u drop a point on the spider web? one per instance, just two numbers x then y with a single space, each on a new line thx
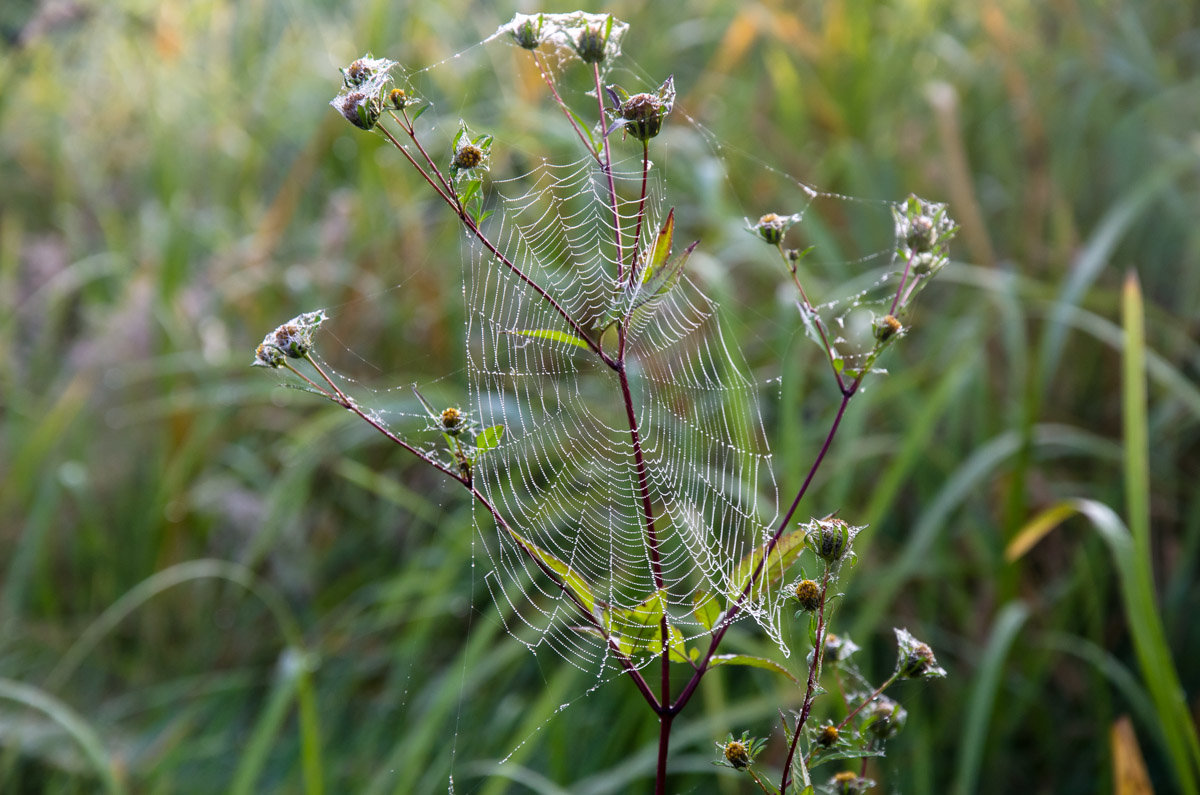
566 477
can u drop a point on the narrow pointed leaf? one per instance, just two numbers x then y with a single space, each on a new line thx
661 249
752 662
425 402
552 334
568 578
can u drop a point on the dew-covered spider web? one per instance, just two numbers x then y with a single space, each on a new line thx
567 477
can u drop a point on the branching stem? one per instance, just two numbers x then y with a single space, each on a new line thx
446 191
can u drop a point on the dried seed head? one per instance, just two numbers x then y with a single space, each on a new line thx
887 327
923 230
366 70
808 593
642 115
921 234
357 73
885 719
915 658
292 340
361 110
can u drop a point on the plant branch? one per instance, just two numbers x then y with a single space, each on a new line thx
735 608
808 307
541 65
346 402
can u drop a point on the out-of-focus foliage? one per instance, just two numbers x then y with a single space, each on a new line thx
212 583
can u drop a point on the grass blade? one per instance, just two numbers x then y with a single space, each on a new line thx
74 725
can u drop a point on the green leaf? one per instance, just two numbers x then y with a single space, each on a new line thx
752 662
575 584
706 609
781 558
551 334
489 439
638 626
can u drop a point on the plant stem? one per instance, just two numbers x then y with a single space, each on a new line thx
664 742
606 167
641 214
814 675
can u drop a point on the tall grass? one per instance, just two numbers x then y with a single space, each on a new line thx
171 186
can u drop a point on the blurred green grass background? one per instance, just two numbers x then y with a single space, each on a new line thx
212 584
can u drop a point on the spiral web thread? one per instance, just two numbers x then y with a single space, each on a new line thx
565 476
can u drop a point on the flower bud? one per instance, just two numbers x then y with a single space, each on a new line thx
808 593
591 45
830 539
838 648
467 156
827 736
267 355
526 31
452 421
399 99
737 754
772 227
849 783
292 340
